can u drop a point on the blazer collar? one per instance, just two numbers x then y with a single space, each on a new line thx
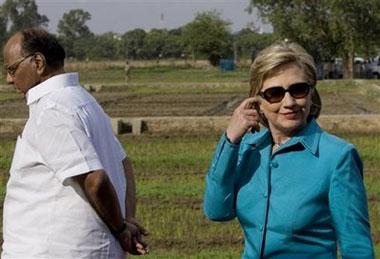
309 137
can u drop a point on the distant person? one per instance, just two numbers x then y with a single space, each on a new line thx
296 190
71 190
127 71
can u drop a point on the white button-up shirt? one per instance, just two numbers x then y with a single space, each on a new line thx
46 214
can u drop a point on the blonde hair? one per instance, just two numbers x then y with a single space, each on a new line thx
270 59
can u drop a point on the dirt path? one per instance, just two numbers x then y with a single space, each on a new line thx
123 104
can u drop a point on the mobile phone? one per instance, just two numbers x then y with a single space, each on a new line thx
256 106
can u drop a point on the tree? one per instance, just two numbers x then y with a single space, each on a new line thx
106 46
3 30
154 43
326 28
174 46
209 35
160 43
19 14
249 42
355 27
134 43
74 34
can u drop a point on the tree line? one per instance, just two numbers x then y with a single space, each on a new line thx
326 28
207 36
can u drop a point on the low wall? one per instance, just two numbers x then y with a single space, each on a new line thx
203 125
206 124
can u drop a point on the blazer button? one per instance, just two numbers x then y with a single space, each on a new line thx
274 164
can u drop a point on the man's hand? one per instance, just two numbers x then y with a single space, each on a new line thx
131 239
134 221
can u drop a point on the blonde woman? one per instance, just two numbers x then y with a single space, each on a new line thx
296 190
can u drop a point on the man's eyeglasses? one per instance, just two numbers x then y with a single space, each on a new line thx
11 69
276 94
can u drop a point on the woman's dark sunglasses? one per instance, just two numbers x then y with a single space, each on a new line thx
276 94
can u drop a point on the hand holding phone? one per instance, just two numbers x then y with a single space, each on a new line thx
245 118
256 107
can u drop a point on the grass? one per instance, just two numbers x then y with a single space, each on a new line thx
114 74
170 182
165 74
170 171
9 96
202 79
333 86
170 177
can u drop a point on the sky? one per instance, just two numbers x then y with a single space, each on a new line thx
123 15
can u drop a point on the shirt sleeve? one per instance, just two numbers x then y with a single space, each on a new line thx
219 198
122 153
64 145
348 205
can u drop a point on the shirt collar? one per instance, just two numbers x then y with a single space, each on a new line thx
50 85
309 137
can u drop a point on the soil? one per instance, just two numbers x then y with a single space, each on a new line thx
123 104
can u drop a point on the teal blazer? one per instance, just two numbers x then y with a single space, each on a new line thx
302 201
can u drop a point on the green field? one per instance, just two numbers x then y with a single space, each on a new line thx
170 181
170 176
168 91
170 170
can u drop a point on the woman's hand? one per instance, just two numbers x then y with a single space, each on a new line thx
244 118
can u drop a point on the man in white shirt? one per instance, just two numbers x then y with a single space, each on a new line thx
71 190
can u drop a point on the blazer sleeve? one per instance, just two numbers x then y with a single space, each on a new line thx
219 197
348 205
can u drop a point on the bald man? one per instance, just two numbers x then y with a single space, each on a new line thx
71 191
